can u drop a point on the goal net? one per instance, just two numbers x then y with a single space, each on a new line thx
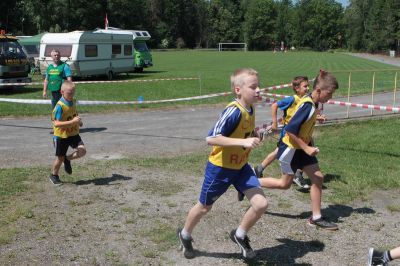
232 46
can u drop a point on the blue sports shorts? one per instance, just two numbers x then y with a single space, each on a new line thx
218 179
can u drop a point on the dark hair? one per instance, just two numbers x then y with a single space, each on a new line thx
296 82
325 80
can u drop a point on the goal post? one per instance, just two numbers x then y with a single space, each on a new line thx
232 46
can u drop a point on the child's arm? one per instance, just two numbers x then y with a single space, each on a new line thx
64 124
227 141
312 151
274 114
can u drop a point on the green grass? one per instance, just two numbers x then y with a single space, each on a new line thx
214 69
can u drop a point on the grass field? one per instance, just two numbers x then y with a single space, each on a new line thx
213 69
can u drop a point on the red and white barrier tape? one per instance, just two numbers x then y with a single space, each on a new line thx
83 102
100 81
358 105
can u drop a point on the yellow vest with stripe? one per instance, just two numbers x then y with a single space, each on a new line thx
234 157
291 110
306 129
68 113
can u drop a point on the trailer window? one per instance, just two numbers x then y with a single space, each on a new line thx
90 50
127 49
116 49
65 50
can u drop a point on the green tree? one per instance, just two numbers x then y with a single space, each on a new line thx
259 25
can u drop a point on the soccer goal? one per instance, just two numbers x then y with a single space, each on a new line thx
232 46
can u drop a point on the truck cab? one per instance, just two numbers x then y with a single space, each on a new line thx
143 56
14 65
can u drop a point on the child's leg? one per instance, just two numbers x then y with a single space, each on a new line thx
278 183
258 207
269 159
57 164
194 216
317 179
395 253
78 153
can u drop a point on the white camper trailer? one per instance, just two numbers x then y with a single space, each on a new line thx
88 53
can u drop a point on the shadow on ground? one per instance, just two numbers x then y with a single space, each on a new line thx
283 254
333 213
102 181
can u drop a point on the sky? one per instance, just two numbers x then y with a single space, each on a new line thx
343 2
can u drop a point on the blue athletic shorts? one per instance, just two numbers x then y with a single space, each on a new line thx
218 179
292 159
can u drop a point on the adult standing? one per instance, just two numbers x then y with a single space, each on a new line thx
56 73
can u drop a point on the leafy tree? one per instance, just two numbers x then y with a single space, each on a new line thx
259 25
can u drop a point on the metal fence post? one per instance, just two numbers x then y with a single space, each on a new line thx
372 94
395 88
348 95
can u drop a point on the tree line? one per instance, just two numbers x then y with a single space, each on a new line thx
368 25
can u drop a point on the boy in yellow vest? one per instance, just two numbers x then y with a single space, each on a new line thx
288 106
232 138
296 150
66 123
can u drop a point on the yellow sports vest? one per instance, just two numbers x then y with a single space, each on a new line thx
68 113
291 110
235 157
306 129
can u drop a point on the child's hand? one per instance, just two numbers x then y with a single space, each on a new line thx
274 126
77 120
312 151
321 118
251 142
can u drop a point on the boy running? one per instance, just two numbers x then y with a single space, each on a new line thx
66 123
232 140
296 150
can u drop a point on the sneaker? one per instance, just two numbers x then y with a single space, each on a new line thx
240 196
376 258
67 166
186 245
244 245
258 170
321 222
55 179
299 180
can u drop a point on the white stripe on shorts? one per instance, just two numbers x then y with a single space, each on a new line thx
285 160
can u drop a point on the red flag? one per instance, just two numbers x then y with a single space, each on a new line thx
106 22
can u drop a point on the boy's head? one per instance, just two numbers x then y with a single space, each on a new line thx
68 90
245 85
300 85
325 85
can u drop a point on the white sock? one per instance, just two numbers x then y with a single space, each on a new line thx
240 233
316 217
185 234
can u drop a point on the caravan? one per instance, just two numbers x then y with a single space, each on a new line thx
89 53
142 54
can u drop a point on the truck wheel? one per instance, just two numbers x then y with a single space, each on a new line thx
110 75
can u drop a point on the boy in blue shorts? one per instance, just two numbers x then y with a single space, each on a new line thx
296 150
66 123
232 138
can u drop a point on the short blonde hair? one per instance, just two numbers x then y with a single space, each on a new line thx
237 78
67 85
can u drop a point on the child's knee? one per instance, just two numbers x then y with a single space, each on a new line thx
81 151
260 204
